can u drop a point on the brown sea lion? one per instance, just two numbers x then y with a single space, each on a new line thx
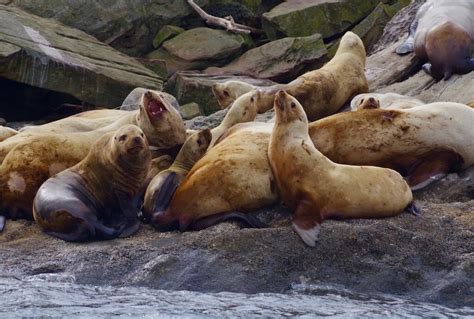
32 159
97 198
324 91
316 188
442 33
160 121
163 185
384 101
422 143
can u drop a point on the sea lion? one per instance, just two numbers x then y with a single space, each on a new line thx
229 91
243 109
32 159
421 143
97 198
161 122
384 100
6 132
442 33
324 91
162 187
316 188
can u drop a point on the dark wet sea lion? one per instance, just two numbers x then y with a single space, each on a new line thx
97 198
442 33
316 188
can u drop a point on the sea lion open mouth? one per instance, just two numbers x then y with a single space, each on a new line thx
155 108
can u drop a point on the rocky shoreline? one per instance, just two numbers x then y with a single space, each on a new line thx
427 258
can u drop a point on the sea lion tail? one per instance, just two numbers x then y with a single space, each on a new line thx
248 219
413 209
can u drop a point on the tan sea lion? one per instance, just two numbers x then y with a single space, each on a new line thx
324 91
442 33
32 159
229 91
97 198
160 121
163 185
243 109
316 188
422 143
384 100
6 132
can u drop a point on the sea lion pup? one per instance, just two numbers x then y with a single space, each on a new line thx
97 198
442 34
244 109
162 187
161 123
383 100
324 91
6 132
229 91
317 188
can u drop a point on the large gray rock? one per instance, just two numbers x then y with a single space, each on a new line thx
190 87
297 18
205 43
127 25
280 60
45 54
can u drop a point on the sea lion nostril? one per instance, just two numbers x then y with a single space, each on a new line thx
137 140
371 100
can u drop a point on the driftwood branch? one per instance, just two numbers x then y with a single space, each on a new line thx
228 22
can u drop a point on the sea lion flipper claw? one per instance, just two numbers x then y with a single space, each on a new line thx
2 223
413 209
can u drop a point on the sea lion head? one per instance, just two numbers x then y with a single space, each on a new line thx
244 109
288 109
368 102
351 42
229 91
130 145
160 121
194 148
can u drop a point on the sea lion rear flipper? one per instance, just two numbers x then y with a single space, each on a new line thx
2 223
208 221
408 45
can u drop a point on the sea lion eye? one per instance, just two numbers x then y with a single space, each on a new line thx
122 137
199 142
293 105
252 99
226 93
245 113
141 134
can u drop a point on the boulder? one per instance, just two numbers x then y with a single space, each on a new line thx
205 44
190 87
166 33
173 63
280 60
127 25
298 18
190 110
48 55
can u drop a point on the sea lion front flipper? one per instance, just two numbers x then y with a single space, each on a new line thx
432 168
205 222
167 190
2 223
129 223
305 224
